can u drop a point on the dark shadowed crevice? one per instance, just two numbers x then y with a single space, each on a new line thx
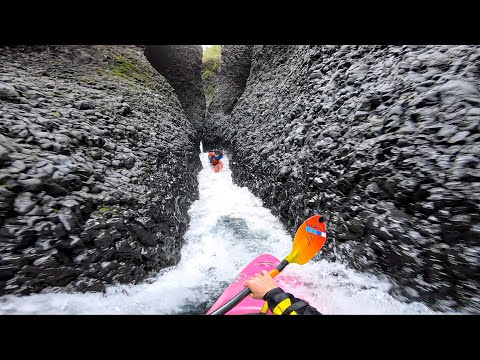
211 65
235 70
181 65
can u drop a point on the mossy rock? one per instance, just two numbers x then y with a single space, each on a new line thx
104 210
211 66
124 67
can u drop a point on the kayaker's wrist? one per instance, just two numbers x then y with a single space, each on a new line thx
271 293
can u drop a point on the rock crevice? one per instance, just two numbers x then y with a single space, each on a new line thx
181 65
235 70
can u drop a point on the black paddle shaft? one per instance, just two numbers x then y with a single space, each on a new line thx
229 305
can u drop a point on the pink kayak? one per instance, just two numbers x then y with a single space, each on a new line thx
248 305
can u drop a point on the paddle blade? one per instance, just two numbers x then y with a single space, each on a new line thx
309 240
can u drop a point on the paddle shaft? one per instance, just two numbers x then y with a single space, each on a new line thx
229 305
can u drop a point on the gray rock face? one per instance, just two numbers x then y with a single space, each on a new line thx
181 65
7 92
235 69
384 141
95 150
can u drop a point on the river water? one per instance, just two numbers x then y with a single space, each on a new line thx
229 228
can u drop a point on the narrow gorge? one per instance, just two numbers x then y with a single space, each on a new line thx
100 165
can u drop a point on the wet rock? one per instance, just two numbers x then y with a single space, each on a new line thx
129 163
85 284
48 260
15 260
19 165
6 147
7 272
96 189
458 137
389 185
55 190
356 226
461 222
116 223
24 203
84 105
146 222
142 235
236 63
31 185
96 155
59 276
408 114
181 66
459 88
6 201
103 239
68 219
24 238
7 92
123 246
4 154
62 203
372 189
69 244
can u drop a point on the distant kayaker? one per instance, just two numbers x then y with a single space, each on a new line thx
264 287
214 156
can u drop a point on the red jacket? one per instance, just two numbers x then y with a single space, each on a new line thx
214 160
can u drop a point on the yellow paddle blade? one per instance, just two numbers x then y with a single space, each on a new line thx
309 239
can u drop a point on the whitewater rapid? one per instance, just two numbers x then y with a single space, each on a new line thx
229 227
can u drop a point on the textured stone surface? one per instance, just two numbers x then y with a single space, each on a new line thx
235 69
384 141
98 167
181 65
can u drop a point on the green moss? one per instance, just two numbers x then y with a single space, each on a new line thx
213 52
123 67
105 209
56 211
101 70
211 61
56 114
118 72
210 68
211 65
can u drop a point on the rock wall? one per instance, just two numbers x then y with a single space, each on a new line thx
384 141
98 167
210 73
235 69
181 65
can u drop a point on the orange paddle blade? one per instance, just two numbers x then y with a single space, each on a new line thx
309 239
